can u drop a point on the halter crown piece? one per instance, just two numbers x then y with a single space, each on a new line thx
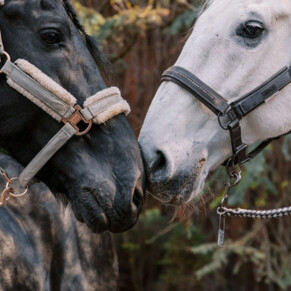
60 105
229 116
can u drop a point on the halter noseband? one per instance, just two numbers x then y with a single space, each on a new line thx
60 104
229 116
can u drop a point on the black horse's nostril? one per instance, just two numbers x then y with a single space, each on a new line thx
138 196
137 199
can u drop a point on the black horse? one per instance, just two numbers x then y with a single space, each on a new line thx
101 174
44 248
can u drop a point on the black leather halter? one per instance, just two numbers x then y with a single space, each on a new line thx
229 115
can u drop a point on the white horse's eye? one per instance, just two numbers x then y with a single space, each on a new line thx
251 29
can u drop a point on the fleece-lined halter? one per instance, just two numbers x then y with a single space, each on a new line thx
59 104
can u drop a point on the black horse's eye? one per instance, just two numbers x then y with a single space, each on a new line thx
251 29
50 37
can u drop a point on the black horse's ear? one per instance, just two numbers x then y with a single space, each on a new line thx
101 60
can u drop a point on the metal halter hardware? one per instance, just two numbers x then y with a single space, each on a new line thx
76 118
229 116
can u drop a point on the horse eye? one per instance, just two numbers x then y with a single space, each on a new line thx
251 29
50 37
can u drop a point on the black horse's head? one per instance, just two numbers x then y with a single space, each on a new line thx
101 173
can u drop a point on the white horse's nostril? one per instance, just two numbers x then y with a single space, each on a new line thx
159 161
159 167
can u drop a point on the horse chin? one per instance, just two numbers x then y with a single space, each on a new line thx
100 210
190 190
88 210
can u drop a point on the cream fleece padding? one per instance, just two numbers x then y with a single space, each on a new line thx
1 2
113 110
101 95
46 81
33 99
110 112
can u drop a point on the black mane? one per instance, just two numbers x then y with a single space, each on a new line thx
99 57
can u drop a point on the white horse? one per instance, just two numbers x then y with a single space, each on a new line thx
235 46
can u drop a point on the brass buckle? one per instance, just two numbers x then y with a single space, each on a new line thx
77 117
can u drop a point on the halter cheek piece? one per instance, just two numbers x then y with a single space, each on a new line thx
60 104
229 116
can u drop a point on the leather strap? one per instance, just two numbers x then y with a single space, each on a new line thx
252 100
196 87
231 112
238 147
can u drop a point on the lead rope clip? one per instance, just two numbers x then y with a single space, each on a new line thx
234 177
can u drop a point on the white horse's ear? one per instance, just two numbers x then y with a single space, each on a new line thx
2 2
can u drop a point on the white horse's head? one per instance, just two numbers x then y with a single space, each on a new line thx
235 46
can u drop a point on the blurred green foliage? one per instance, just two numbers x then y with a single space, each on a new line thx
161 255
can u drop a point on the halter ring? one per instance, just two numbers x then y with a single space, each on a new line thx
8 185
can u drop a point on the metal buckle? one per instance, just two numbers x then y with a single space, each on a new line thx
230 114
77 117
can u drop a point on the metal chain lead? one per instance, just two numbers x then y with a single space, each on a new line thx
260 214
234 177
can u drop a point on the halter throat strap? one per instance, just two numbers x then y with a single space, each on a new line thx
229 115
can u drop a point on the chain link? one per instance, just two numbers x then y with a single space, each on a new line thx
249 213
234 177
